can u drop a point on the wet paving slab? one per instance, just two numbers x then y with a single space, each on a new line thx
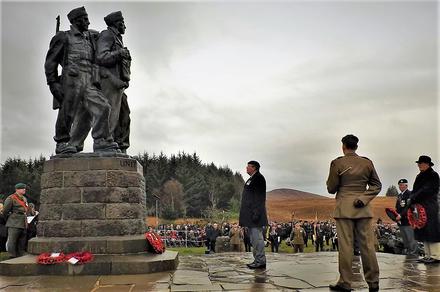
228 272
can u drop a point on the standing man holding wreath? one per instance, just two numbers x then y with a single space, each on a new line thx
425 194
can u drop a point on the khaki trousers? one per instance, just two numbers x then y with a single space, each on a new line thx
432 250
363 230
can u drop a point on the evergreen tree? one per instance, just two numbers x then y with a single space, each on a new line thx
392 191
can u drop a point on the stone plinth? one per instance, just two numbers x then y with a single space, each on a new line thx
141 263
91 203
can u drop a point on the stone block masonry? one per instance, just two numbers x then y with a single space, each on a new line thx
87 197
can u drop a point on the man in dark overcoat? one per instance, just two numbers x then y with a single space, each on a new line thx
355 181
253 212
406 230
425 192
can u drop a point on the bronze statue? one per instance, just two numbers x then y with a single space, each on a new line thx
114 61
76 92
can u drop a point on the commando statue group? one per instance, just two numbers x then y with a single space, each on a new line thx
89 93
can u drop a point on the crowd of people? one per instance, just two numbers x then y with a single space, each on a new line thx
298 234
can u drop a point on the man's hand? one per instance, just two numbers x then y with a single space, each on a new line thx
57 91
398 217
358 203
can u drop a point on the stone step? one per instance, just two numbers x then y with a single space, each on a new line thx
96 245
142 263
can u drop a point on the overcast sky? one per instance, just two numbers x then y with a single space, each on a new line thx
280 82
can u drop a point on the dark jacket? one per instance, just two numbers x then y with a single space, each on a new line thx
425 192
70 49
15 213
401 207
108 56
3 229
253 202
212 234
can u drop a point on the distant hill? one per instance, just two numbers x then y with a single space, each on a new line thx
281 203
291 194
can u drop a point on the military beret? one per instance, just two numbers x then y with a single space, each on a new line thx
20 186
403 181
77 12
113 17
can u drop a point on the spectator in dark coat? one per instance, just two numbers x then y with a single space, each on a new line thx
212 235
425 192
253 212
246 239
274 237
3 230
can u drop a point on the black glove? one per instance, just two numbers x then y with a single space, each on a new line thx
358 203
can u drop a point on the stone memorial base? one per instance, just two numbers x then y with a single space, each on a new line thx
96 203
141 263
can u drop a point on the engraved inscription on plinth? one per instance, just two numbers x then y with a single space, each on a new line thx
89 203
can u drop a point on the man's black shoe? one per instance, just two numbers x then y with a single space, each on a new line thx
338 287
254 266
431 261
375 289
422 260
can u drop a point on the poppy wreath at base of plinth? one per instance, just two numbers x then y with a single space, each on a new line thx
155 242
47 259
417 221
82 257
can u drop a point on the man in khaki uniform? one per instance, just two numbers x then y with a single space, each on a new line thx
15 210
355 182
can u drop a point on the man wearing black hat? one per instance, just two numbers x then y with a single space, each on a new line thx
354 180
75 92
253 212
406 231
115 62
15 210
425 192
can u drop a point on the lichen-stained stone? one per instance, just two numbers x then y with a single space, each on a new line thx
60 228
83 211
112 227
116 178
52 180
60 195
50 212
90 178
124 211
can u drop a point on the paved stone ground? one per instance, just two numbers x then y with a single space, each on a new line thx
228 272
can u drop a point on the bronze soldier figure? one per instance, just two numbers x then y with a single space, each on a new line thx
354 180
114 60
76 91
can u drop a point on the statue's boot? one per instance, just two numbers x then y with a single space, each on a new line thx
65 148
105 146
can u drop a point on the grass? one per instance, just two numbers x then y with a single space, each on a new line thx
4 256
283 248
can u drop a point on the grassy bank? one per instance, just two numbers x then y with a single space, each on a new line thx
284 248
